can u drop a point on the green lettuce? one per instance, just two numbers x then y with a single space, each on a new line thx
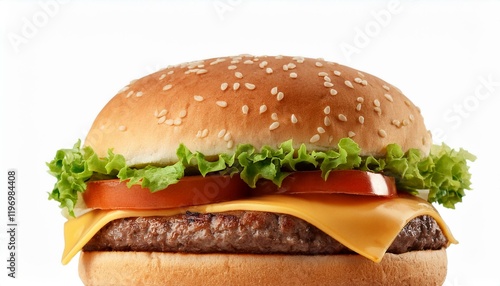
444 172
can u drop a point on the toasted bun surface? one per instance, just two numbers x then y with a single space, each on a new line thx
213 105
145 268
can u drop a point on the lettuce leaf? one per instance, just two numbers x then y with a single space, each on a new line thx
444 172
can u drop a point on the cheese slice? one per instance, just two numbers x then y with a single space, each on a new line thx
365 224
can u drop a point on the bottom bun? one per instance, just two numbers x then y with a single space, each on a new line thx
153 268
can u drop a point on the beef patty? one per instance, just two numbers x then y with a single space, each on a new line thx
245 232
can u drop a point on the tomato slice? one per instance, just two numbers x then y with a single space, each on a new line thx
352 182
189 191
198 190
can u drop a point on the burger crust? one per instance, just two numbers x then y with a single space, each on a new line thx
153 268
213 105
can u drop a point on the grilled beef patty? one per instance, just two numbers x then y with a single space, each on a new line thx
245 232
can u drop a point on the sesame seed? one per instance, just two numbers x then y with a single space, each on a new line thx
262 108
280 96
364 82
274 116
327 78
389 97
299 59
321 130
351 134
360 99
315 138
139 94
378 110
328 84
327 110
162 113
358 80
396 122
227 136
333 91
412 118
293 75
250 86
238 74
129 94
269 70
274 125
361 119
248 62
177 121
376 102
198 98
349 84
221 103
358 107
230 144
204 133
201 71
244 109
125 88
263 64
337 73
183 113
274 90
221 133
122 128
382 133
162 76
235 61
405 122
342 117
285 67
330 139
232 67
291 66
407 103
278 57
386 87
162 119
169 122
219 60
236 85
327 121
361 74
322 74
167 87
224 86
170 72
293 118
318 64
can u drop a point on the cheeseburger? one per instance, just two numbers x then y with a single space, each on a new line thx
259 170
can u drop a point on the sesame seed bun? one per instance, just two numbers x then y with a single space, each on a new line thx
213 105
136 268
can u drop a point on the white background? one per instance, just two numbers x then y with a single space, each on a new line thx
60 62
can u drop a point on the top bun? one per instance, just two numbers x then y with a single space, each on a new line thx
213 105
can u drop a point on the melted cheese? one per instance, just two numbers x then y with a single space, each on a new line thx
365 224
